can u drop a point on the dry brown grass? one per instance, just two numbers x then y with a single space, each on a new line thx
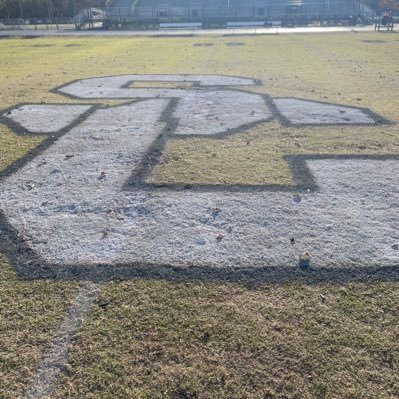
30 315
193 340
158 339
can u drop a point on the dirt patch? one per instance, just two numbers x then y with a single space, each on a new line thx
29 37
235 44
73 45
41 45
374 41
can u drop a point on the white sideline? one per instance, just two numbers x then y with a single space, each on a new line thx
56 357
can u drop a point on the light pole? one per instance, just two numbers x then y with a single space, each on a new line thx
48 11
74 14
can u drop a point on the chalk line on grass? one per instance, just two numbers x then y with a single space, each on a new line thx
55 359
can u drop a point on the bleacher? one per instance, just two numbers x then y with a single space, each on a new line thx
336 8
195 10
186 11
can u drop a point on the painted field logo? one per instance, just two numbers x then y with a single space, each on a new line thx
81 205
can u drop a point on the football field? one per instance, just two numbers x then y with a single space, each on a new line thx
199 217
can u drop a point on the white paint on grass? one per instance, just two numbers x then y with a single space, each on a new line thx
46 118
91 162
115 86
75 211
302 112
207 113
199 111
72 207
55 359
337 226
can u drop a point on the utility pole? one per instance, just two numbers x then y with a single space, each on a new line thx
20 9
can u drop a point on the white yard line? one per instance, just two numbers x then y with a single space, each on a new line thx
57 356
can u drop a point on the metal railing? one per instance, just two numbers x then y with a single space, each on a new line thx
90 16
36 23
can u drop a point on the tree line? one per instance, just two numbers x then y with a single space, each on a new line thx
44 8
388 5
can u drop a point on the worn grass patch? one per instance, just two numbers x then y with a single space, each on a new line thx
30 315
192 340
157 339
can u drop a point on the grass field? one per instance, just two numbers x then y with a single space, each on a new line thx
207 339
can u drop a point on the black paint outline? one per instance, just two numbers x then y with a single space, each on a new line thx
31 266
